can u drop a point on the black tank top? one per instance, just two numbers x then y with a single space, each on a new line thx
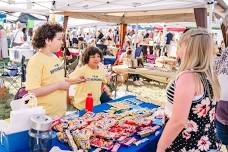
199 133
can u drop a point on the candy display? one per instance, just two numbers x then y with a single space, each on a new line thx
108 131
128 141
102 143
82 138
120 105
148 131
141 141
125 104
115 147
71 141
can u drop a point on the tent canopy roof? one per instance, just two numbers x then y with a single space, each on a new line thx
132 11
125 5
128 11
182 15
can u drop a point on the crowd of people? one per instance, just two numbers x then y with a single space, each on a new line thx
12 37
134 39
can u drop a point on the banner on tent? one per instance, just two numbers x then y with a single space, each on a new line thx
31 24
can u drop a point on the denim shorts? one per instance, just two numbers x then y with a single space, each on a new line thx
222 132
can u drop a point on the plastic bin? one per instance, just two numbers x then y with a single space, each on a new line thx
109 60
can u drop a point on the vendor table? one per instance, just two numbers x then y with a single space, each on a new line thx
149 145
17 53
157 75
153 74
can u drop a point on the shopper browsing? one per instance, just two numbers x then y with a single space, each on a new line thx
192 97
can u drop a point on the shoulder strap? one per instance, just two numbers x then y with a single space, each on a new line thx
15 36
206 85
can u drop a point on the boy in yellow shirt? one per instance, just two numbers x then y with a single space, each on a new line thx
95 78
45 73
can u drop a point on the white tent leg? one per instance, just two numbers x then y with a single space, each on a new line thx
210 17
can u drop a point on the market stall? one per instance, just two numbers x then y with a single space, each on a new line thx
127 123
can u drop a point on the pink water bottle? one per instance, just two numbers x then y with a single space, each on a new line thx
89 102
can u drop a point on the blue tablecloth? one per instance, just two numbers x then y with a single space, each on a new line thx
149 146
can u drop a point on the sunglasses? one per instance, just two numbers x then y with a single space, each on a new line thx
201 33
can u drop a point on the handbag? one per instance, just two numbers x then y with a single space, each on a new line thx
20 93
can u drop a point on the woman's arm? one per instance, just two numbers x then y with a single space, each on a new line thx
184 93
76 80
42 91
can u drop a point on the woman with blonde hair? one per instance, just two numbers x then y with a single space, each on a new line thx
222 106
192 98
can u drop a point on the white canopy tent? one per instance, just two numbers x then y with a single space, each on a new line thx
131 11
117 11
123 11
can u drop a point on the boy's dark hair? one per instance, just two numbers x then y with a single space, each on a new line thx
89 51
46 31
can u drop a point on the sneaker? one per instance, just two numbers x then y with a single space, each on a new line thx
136 83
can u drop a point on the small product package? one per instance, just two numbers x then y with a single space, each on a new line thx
101 143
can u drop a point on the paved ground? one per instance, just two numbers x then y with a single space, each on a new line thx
151 92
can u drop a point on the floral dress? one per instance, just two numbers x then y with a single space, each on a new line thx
199 132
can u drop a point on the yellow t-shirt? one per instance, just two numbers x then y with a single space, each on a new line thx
43 70
94 79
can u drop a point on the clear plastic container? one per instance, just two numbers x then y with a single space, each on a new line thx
40 134
40 141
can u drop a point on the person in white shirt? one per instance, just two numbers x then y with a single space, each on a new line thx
128 58
87 37
137 38
18 37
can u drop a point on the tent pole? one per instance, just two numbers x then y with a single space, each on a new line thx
210 18
123 31
223 28
65 21
201 17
